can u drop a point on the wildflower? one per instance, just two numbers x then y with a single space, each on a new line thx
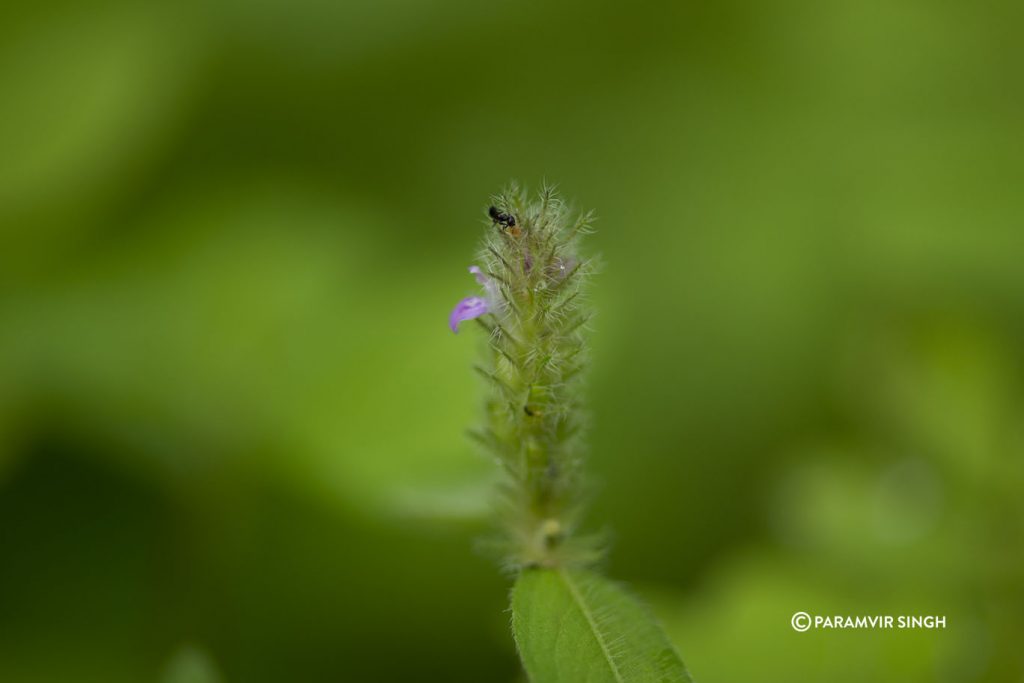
533 282
469 308
474 306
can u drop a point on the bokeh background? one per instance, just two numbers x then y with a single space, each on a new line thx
232 416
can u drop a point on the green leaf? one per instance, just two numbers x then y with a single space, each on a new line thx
577 627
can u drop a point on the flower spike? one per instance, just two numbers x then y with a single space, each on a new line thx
534 288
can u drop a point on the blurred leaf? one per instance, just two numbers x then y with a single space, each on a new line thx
576 626
235 328
98 92
191 665
751 598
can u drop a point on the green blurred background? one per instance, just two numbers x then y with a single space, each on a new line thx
232 416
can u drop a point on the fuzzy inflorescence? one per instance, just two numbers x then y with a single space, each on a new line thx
535 315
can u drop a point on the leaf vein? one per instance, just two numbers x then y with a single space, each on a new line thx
592 622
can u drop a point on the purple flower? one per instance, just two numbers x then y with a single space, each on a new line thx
467 309
475 306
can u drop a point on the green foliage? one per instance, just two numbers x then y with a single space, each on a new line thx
577 627
536 353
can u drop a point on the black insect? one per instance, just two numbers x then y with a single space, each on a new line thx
505 219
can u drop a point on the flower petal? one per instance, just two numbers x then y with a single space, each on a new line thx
490 287
467 309
479 275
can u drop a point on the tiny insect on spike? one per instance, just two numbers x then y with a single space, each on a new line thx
507 222
505 219
469 308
